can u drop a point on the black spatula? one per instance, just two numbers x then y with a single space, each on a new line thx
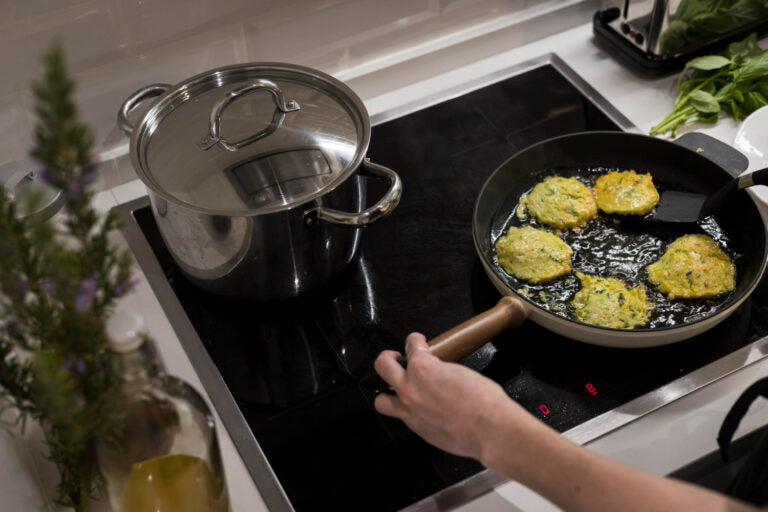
682 207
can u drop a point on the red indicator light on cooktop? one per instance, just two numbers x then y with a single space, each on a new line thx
544 409
591 388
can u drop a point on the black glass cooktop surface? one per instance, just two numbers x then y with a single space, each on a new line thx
295 368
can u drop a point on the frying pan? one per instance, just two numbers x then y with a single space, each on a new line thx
694 163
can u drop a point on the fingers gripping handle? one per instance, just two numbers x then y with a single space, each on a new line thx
467 337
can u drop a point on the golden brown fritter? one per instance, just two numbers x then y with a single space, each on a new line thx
693 266
609 303
533 255
626 193
560 202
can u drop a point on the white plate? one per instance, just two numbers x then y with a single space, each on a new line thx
752 140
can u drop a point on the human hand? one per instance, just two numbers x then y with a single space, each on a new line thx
447 404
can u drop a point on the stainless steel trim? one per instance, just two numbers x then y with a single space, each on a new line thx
382 208
259 468
746 181
483 482
133 100
479 82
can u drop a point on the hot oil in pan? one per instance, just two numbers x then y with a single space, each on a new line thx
620 247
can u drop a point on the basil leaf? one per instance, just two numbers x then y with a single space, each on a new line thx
735 111
709 118
749 10
725 90
708 62
712 24
735 81
746 48
762 87
675 37
688 9
753 69
753 101
711 88
704 102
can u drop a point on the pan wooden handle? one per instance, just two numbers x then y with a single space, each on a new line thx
467 337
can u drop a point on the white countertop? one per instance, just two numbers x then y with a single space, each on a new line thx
659 442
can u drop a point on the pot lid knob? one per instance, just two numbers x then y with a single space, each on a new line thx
281 108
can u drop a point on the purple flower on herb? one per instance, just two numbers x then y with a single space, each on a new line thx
74 188
78 365
10 326
86 293
46 176
23 286
47 287
88 176
123 288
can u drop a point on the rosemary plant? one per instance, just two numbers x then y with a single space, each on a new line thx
59 279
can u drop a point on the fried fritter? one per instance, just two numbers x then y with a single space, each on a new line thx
609 303
626 193
692 267
560 202
533 255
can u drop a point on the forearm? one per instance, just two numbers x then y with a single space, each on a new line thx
576 479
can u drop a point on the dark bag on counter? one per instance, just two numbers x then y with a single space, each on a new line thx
751 482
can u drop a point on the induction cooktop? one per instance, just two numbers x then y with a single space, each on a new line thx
288 378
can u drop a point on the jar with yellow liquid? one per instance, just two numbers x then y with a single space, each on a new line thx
165 457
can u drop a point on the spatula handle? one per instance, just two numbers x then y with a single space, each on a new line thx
468 336
754 178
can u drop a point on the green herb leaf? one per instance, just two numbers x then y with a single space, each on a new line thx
59 280
736 111
689 9
712 23
746 48
762 87
675 37
735 81
704 102
755 68
753 101
745 11
725 90
709 118
708 62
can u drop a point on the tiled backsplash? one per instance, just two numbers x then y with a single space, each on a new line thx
116 46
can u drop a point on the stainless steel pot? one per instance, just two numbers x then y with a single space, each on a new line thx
253 172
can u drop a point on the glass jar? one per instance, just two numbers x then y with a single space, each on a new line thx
165 456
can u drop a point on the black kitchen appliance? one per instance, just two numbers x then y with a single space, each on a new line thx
288 378
661 36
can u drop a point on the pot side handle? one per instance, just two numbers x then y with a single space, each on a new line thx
467 337
719 152
382 208
134 99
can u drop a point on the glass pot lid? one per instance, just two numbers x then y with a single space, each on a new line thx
250 139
